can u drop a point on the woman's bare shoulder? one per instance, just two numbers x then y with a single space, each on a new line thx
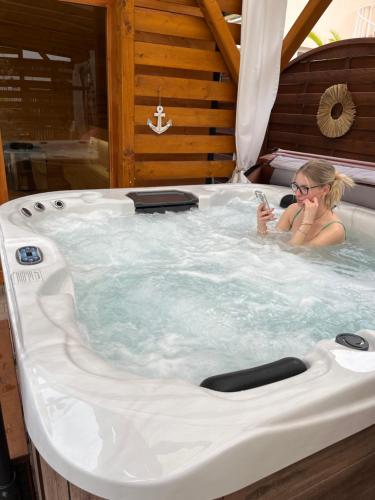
293 209
285 221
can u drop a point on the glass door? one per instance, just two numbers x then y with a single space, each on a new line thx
53 96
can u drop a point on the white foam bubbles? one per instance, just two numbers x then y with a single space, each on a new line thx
194 294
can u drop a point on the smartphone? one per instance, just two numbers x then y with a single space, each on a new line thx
261 197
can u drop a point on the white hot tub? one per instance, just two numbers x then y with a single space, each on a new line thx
120 435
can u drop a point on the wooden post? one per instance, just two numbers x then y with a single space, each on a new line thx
127 117
301 28
114 94
223 36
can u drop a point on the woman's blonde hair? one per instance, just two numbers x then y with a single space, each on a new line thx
321 172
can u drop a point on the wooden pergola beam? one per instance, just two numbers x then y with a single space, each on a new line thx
301 28
222 35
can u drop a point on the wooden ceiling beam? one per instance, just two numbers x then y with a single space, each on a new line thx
305 22
222 35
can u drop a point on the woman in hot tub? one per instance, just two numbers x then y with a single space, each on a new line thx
318 188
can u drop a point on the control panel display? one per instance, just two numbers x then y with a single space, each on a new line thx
29 255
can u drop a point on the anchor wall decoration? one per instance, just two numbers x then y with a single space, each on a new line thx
159 128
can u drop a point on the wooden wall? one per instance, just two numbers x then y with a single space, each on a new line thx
176 58
157 50
293 119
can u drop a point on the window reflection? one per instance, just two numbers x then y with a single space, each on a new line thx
53 96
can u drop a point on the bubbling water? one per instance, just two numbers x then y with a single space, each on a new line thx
190 295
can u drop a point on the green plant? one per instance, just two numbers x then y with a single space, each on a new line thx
319 42
314 37
335 36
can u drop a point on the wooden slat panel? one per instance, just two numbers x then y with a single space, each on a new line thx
357 135
323 142
351 48
319 65
360 123
175 41
287 99
154 170
55 487
184 144
166 23
36 472
343 471
291 88
163 157
78 494
231 6
332 77
175 103
150 54
9 397
363 61
181 131
184 89
235 29
173 72
363 98
323 151
169 7
188 117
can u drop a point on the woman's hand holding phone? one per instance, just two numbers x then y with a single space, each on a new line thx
264 212
264 215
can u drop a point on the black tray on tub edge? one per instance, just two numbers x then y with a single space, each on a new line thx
171 200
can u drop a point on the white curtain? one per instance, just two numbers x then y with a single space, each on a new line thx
261 40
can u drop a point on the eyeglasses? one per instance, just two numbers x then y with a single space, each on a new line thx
302 189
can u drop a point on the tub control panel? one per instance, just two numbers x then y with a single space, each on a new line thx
29 255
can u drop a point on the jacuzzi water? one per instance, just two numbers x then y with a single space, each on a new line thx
194 294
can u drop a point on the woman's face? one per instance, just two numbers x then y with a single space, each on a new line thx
313 190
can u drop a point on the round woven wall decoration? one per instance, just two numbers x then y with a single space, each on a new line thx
336 111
